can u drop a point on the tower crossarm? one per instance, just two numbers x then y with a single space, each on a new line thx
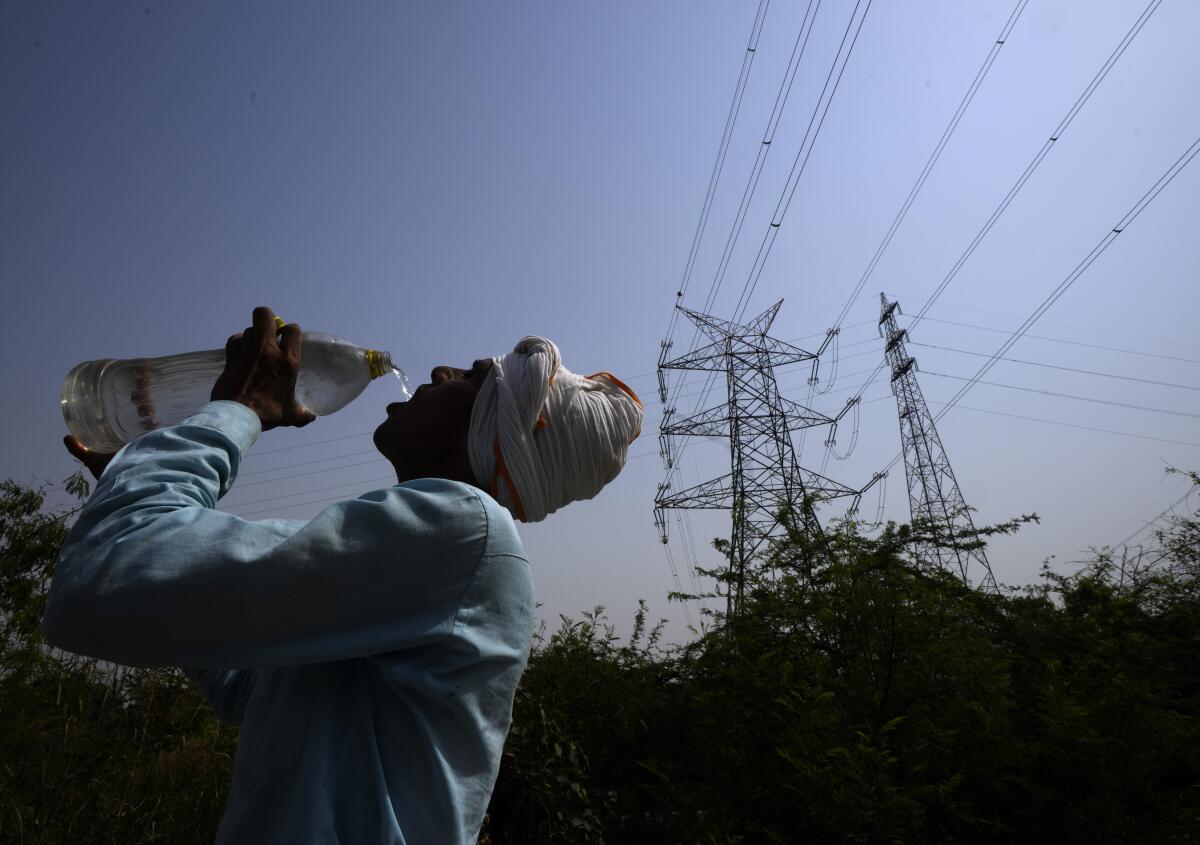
783 353
717 494
714 422
824 488
709 495
714 356
719 329
798 416
738 350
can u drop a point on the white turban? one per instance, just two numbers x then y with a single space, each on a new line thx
542 436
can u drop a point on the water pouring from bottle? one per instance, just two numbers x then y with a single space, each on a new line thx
405 385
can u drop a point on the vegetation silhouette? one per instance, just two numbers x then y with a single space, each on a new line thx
856 696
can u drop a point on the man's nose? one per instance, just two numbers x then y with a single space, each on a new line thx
441 374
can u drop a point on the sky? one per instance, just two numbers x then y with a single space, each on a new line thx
441 179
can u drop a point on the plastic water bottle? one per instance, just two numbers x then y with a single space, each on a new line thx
107 403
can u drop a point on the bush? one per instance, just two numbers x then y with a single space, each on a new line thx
856 696
93 752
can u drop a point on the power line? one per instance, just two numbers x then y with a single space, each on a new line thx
1083 265
309 463
797 170
1091 329
1042 153
799 164
1032 166
1092 399
306 445
993 412
735 108
791 340
718 167
1060 367
1066 424
1069 342
650 402
933 158
990 411
1169 510
1044 421
1079 270
1119 525
764 150
378 458
372 480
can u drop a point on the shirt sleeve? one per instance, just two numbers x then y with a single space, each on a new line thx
152 575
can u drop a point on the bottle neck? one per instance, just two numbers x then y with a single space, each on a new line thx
379 363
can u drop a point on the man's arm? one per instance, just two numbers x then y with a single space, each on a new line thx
151 574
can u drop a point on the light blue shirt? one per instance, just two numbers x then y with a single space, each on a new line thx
370 655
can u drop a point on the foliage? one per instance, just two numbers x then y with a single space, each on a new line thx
857 696
91 752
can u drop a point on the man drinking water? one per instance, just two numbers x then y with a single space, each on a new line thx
371 654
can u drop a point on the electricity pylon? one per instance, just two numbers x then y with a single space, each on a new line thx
764 475
933 494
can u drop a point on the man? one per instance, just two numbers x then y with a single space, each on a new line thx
372 654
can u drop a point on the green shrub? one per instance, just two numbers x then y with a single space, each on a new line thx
856 696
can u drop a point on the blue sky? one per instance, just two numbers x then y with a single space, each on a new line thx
442 179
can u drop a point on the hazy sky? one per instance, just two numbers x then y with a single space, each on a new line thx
440 179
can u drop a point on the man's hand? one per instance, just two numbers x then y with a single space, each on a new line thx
260 372
94 461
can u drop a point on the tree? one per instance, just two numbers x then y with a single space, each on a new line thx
89 752
858 696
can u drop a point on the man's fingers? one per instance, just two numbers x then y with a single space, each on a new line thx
94 461
264 326
77 449
290 343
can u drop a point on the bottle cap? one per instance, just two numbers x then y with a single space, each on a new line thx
379 363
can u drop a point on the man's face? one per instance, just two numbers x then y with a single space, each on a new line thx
426 437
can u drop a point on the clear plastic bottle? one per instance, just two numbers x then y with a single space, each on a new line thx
108 403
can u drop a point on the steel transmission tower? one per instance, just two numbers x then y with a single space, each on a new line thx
933 494
764 474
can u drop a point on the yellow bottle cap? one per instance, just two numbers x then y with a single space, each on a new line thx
375 360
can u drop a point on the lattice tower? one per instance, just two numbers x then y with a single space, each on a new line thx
934 497
764 474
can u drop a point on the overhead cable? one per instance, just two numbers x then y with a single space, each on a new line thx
998 44
735 108
1080 102
1060 367
760 159
1168 511
1034 164
1066 283
828 92
837 67
1092 399
1069 342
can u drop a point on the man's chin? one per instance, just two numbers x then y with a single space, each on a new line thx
380 442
